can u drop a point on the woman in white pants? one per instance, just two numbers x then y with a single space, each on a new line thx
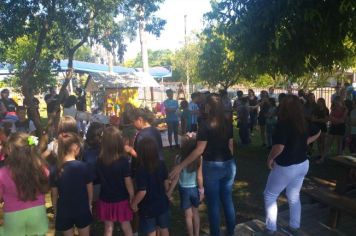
288 161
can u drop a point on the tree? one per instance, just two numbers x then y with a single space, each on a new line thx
140 14
217 63
188 55
288 37
161 57
44 29
84 53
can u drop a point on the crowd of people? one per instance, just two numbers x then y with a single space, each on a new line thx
117 173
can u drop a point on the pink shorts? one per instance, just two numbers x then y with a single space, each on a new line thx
114 211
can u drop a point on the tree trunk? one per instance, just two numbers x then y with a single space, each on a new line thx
143 42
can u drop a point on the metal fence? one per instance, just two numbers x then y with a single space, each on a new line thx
325 92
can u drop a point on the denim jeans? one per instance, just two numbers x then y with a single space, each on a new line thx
218 182
280 178
244 133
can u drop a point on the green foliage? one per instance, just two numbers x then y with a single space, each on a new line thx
161 57
186 61
84 53
288 39
217 64
19 54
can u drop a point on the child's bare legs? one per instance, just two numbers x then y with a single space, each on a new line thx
164 232
196 221
152 234
126 228
189 221
108 228
68 232
84 231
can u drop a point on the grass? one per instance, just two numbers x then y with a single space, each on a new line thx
248 189
252 173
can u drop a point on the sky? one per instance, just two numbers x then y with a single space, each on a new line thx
172 37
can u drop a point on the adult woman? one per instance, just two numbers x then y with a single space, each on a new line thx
288 161
215 144
252 100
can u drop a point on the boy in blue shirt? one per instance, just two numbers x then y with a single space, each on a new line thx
172 119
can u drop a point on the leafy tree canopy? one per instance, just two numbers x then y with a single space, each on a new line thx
288 37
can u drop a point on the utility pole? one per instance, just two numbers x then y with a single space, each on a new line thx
186 57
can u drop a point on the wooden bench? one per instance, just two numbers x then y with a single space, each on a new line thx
325 194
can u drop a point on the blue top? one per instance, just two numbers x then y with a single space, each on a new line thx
155 201
112 179
91 156
172 115
187 179
193 107
150 132
73 200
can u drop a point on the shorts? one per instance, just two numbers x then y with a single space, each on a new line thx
337 129
189 197
66 223
30 221
322 126
114 211
148 225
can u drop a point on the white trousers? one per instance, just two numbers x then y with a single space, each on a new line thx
280 178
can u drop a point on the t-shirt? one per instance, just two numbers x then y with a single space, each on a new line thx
9 193
10 104
187 179
295 144
112 179
155 201
72 183
171 116
26 126
193 107
52 105
90 157
150 132
217 148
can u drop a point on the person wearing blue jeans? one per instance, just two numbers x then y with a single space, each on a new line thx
215 144
288 162
218 182
171 106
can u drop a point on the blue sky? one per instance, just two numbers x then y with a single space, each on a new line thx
172 37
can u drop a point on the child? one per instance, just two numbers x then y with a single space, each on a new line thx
271 121
320 118
71 188
142 119
337 117
191 188
23 184
172 120
91 153
185 117
23 124
152 183
116 185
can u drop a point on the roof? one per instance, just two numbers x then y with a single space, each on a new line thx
88 67
130 80
93 67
